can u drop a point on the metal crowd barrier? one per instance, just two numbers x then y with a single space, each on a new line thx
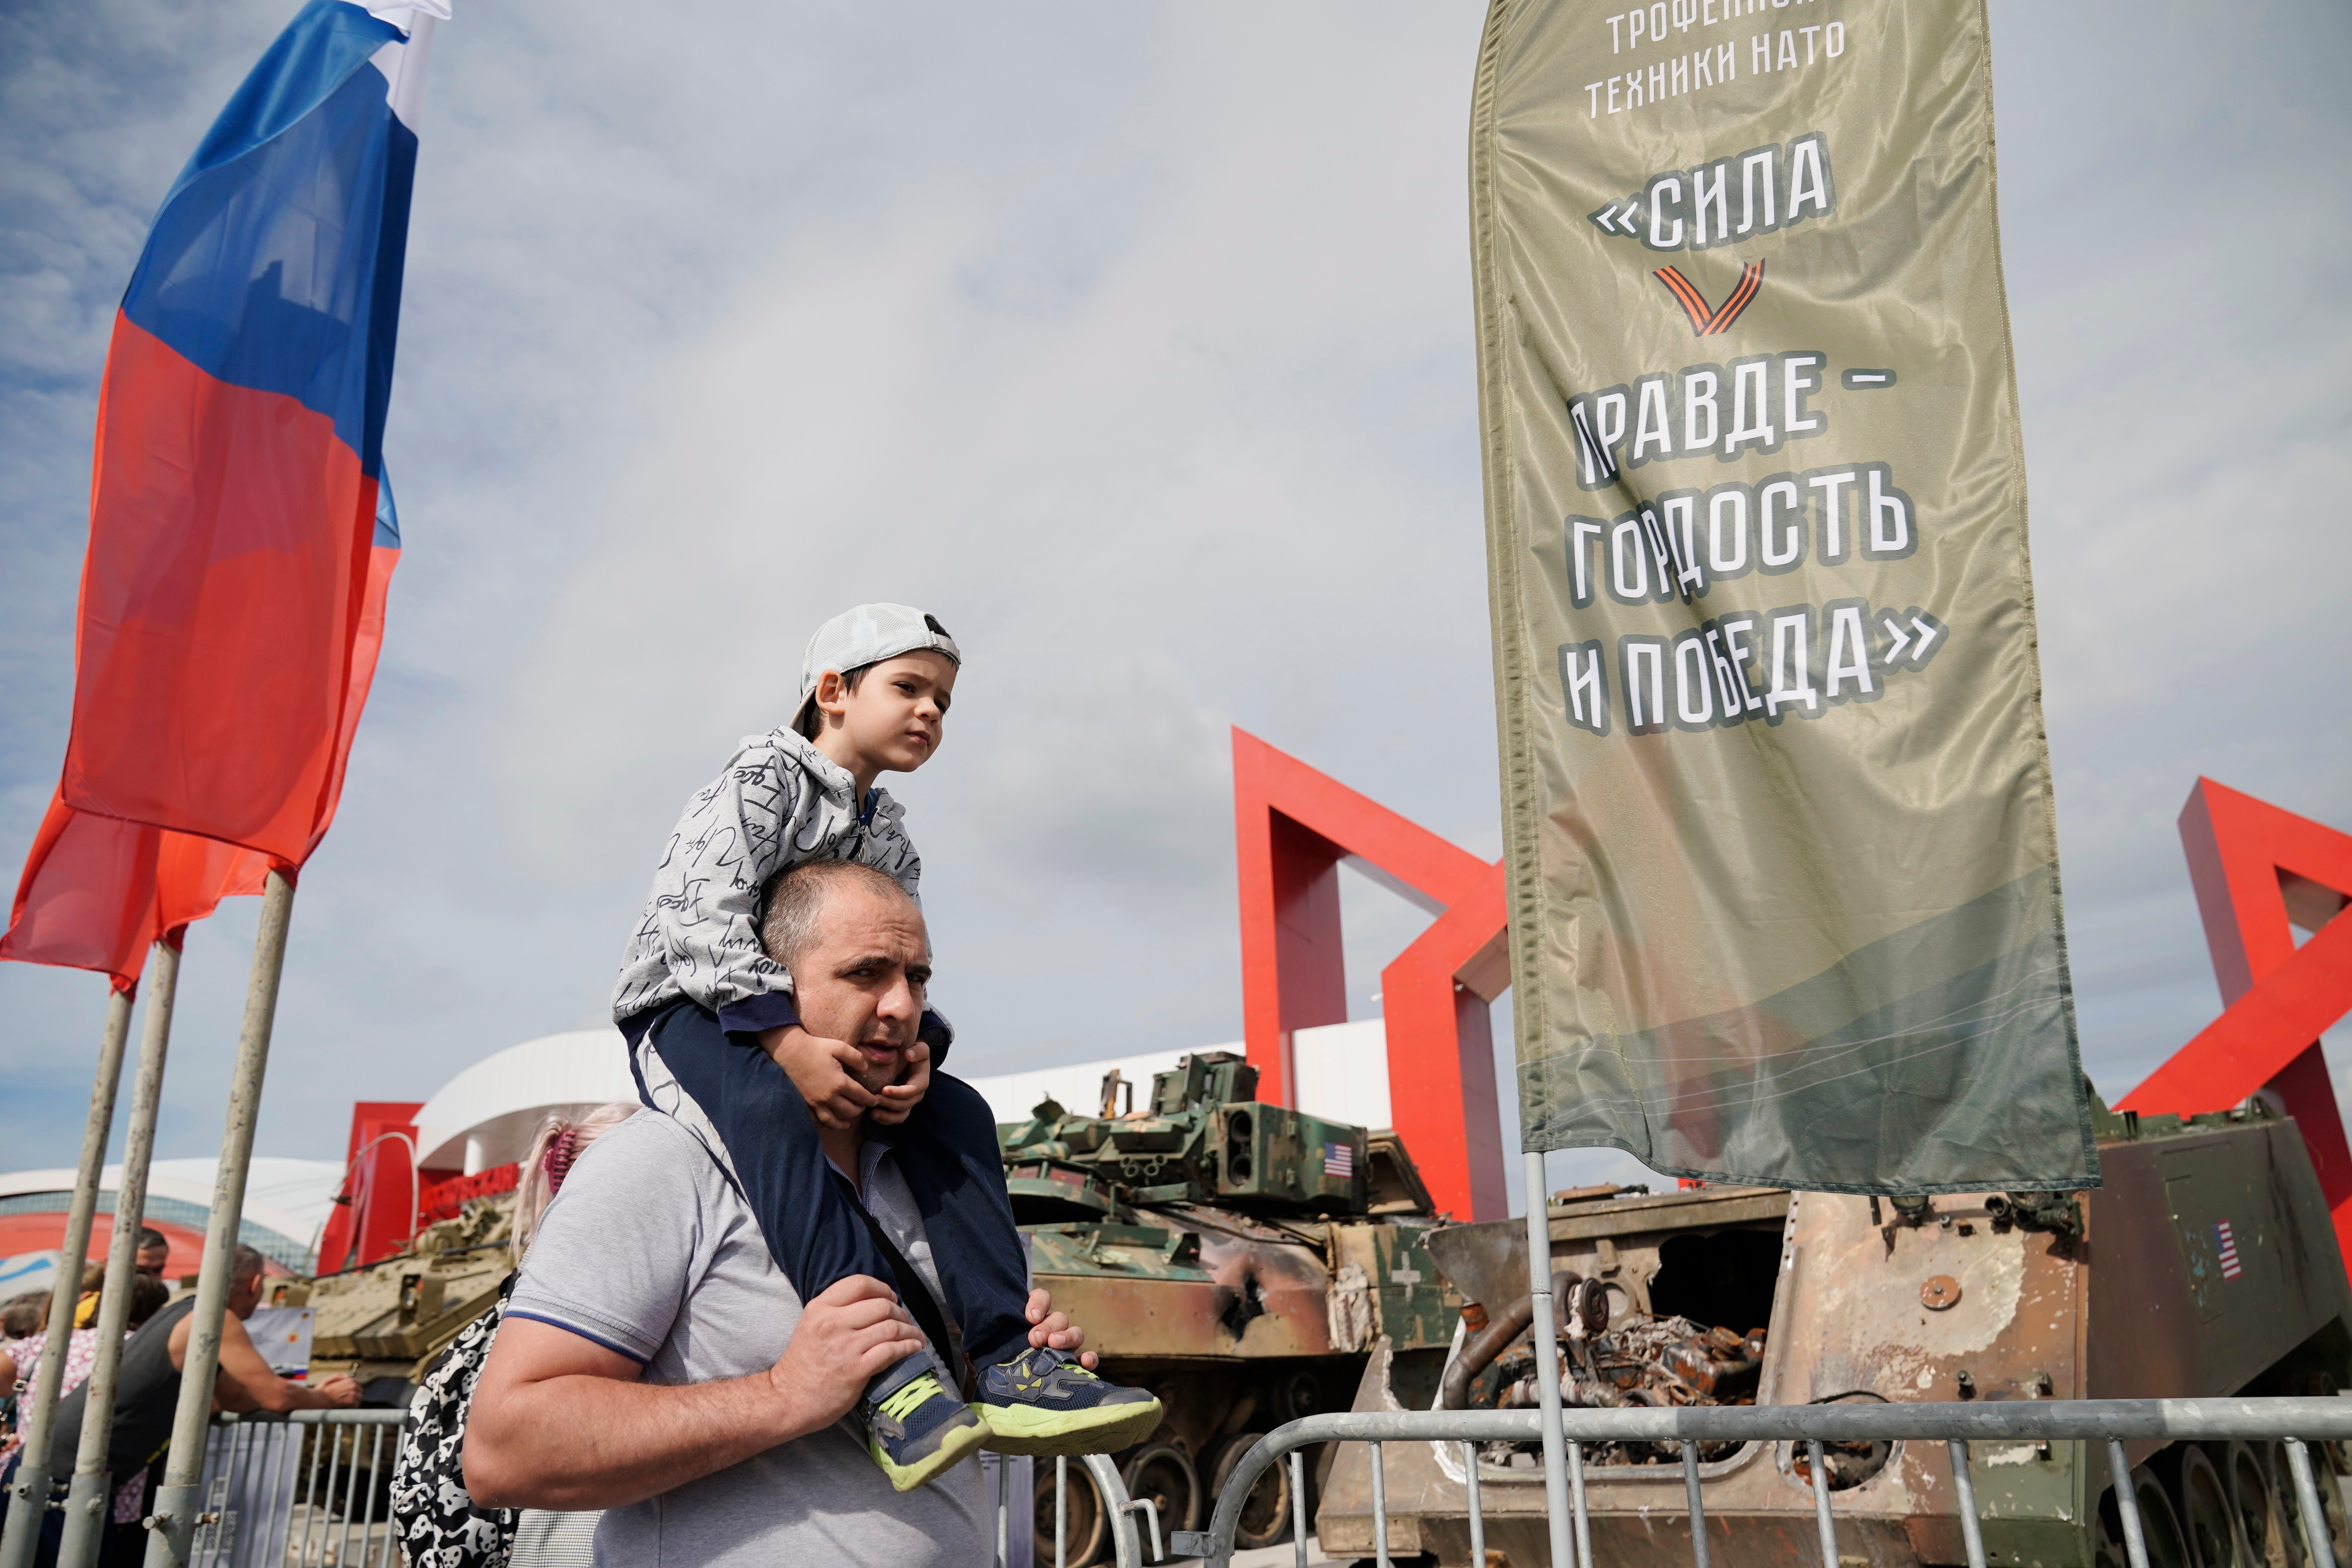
310 1489
2295 1422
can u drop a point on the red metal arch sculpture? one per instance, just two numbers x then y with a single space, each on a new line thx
2259 871
1293 827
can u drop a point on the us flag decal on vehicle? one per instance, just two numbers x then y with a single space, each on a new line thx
1340 1161
2229 1250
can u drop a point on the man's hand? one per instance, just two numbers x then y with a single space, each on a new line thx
338 1390
914 1082
1053 1329
854 1331
821 1069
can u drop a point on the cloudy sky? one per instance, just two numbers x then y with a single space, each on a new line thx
1135 341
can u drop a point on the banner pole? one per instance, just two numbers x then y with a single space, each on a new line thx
28 1498
88 1513
1546 1345
172 1528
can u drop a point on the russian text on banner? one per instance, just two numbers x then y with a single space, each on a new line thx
1784 874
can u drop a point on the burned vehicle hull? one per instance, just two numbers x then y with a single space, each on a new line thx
1239 1260
2206 1265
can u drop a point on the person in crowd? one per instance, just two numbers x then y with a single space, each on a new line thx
20 1317
149 1295
720 1037
82 1352
147 1386
655 1361
155 1252
554 1538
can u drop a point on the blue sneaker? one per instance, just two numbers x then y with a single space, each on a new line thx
1044 1402
919 1430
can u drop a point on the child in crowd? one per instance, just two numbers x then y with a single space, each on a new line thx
876 685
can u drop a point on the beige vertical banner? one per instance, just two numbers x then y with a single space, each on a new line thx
1784 879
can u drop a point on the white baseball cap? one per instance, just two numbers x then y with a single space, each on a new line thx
868 635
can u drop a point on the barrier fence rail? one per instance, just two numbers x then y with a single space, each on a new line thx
2295 1422
311 1489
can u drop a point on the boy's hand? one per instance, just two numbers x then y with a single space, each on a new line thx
914 1080
821 1069
1054 1329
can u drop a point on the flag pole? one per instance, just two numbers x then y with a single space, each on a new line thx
29 1497
172 1527
87 1512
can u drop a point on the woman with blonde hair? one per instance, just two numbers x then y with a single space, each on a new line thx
560 1141
541 1539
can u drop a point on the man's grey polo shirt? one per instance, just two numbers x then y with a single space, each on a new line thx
649 1251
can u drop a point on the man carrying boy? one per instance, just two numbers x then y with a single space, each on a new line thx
655 1362
711 1016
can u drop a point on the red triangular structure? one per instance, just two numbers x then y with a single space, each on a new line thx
2259 872
1293 826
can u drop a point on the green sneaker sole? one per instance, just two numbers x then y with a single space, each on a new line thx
954 1448
1100 1429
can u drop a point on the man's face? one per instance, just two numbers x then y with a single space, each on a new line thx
150 1259
862 979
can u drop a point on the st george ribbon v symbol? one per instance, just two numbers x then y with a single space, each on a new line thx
1705 320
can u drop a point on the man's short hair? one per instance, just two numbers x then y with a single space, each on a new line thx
248 1264
150 1238
795 901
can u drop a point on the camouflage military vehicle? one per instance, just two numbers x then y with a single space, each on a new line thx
2206 1265
1238 1258
382 1324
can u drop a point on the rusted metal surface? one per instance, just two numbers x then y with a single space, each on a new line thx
1614 1240
1987 1298
1225 1295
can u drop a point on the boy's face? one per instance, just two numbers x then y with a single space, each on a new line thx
898 716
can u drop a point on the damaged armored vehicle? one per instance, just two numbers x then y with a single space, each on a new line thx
1240 1259
2206 1265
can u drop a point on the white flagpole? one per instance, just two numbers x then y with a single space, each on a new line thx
172 1535
86 1514
29 1497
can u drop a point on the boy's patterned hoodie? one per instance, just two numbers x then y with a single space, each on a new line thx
780 802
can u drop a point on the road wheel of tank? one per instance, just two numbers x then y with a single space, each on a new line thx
2249 1486
1087 1530
2290 1511
1265 1517
1164 1473
1297 1394
2167 1546
2208 1513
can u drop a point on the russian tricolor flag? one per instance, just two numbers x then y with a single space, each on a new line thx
242 533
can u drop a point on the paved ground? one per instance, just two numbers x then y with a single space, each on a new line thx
1266 1557
1283 1556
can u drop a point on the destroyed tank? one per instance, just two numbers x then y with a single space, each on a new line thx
382 1324
2206 1265
1239 1259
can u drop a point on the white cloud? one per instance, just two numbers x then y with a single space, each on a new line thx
1136 342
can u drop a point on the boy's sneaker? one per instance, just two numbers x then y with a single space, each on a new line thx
1044 1402
919 1430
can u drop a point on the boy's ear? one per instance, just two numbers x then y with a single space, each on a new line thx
832 694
